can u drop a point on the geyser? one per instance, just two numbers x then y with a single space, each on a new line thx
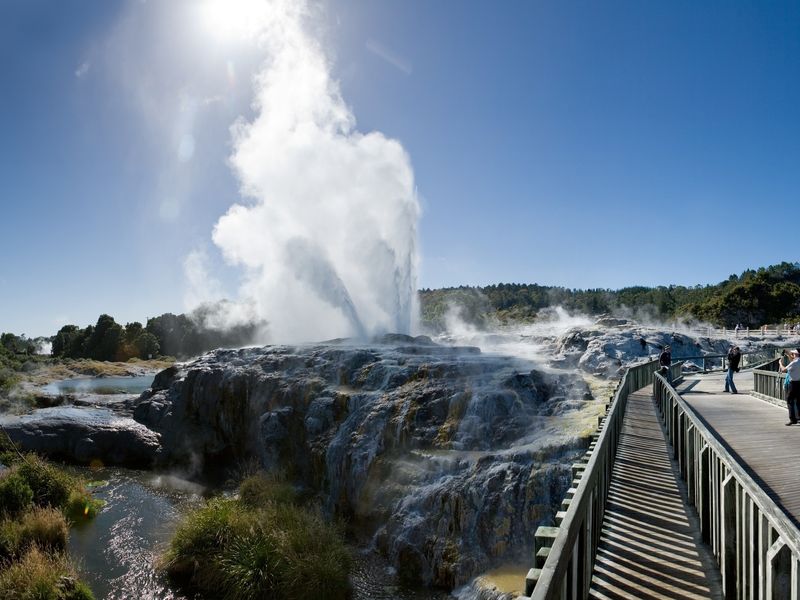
327 231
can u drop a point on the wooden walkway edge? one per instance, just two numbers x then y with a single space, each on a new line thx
650 545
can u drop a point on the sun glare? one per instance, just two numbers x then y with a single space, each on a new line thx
232 20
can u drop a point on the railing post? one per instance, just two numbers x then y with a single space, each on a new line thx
728 555
704 505
689 473
779 571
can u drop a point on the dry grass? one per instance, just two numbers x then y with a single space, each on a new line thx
85 367
42 576
45 528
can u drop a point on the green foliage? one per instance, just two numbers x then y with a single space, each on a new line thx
168 334
51 486
261 546
81 506
768 295
190 335
35 496
16 495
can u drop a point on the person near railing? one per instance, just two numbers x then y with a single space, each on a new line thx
734 357
664 362
793 397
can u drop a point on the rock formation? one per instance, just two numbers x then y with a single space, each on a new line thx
448 457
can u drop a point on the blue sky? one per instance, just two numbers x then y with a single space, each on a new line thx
584 144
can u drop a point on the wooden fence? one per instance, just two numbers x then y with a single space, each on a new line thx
768 383
564 555
756 546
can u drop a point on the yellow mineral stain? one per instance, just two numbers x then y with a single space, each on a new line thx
509 579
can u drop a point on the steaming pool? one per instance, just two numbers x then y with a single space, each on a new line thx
100 385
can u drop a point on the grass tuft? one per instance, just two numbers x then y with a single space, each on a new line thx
260 490
260 546
42 576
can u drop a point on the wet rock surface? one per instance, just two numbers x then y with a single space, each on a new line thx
447 457
84 435
605 348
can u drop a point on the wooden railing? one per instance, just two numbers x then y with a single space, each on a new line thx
768 382
716 362
755 544
762 332
564 556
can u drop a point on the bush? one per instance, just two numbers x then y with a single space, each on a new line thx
199 537
234 551
39 576
15 494
81 506
51 486
259 490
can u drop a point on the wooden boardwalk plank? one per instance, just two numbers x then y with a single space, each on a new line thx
649 544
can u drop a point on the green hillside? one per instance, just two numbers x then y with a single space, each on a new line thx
756 297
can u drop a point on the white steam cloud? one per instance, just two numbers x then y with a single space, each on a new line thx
328 237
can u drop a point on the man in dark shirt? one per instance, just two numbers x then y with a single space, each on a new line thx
734 356
664 362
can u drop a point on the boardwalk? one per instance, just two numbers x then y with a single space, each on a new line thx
754 433
649 545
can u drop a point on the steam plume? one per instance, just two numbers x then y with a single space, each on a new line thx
328 236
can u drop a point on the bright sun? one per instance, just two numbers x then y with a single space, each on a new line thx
231 20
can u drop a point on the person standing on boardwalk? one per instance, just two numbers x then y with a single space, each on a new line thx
793 397
664 362
734 357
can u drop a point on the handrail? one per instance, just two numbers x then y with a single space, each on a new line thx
768 382
567 568
749 359
763 331
755 544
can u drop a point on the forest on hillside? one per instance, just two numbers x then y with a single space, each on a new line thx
756 297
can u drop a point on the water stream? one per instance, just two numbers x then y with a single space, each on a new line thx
118 549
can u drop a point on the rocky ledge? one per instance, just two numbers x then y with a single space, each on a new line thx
447 458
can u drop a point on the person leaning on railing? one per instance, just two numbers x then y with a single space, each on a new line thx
793 397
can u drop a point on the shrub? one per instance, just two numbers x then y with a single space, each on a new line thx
39 576
199 537
259 490
51 486
15 494
315 555
278 551
251 565
81 506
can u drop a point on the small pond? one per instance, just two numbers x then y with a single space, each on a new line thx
100 385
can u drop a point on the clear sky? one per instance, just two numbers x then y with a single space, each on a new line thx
584 144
